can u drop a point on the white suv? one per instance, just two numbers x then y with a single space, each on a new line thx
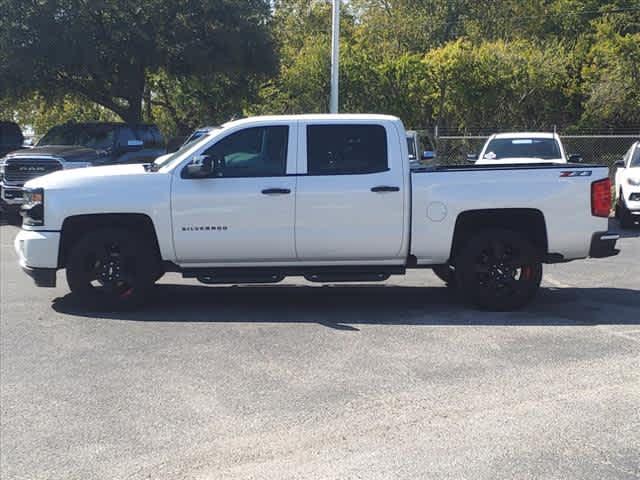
628 187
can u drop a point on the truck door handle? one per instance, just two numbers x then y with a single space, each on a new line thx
385 188
276 191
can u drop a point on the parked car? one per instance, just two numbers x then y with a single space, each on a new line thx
327 197
524 147
628 187
11 138
75 145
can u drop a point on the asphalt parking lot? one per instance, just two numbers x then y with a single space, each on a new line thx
298 381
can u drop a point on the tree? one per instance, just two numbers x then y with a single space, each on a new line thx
611 76
180 104
498 85
104 50
42 114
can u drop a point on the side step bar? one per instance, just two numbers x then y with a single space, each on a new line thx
218 276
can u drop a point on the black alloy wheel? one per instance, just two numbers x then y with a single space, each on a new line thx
111 268
499 270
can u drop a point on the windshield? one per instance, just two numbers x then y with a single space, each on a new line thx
189 144
635 160
540 148
195 136
98 137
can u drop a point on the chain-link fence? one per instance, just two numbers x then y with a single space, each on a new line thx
452 149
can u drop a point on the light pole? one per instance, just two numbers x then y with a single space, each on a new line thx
335 58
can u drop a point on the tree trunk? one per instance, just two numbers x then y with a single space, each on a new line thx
148 114
133 114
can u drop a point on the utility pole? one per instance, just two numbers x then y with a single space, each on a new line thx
335 58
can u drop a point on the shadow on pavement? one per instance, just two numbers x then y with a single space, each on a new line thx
342 306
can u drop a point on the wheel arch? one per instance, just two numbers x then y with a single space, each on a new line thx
74 227
528 222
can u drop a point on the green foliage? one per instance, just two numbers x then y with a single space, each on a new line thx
103 50
181 104
612 78
42 114
462 64
498 84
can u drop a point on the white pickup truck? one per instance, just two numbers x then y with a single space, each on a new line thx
327 197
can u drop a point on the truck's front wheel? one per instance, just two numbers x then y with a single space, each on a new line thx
624 215
111 268
499 270
446 273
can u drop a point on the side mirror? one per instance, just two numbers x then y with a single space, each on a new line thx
201 166
472 157
575 158
428 155
619 164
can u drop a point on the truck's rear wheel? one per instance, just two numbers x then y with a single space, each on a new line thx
499 270
111 268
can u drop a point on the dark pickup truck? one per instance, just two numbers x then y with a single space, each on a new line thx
76 145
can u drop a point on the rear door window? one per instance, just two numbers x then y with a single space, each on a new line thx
346 149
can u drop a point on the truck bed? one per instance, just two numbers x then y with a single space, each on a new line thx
440 194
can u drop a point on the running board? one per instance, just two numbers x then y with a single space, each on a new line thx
217 276
220 279
347 277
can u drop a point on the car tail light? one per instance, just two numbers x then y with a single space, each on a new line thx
601 198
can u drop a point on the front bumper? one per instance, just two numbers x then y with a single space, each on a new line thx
603 245
38 255
43 277
632 200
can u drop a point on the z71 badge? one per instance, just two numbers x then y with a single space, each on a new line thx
576 173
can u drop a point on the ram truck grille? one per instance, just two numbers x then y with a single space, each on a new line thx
19 171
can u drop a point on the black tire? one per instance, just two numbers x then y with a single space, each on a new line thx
112 269
499 270
446 273
625 216
10 215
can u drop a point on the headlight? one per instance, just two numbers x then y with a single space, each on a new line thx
633 181
1 170
32 209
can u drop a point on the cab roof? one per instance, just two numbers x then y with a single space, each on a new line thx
331 117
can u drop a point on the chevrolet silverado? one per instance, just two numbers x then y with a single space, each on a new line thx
331 198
